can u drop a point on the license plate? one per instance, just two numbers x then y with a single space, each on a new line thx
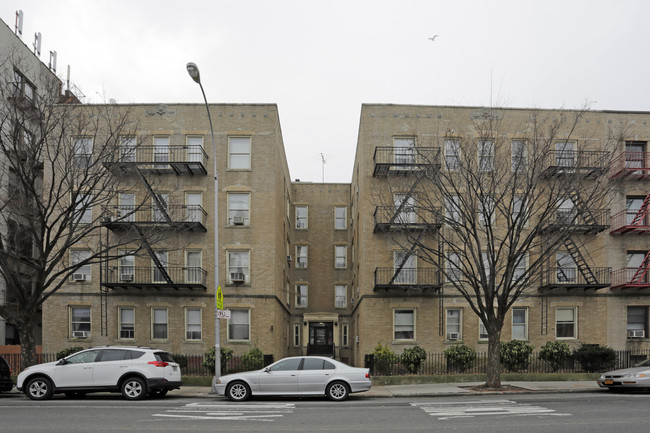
608 382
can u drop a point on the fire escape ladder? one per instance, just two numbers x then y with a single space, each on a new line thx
160 205
404 201
580 262
153 255
544 315
643 211
642 271
583 210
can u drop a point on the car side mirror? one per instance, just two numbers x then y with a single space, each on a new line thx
266 369
62 361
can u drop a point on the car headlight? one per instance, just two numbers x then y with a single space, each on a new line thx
602 377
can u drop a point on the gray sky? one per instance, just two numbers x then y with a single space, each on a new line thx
319 61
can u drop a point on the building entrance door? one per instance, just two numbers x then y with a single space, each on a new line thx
321 339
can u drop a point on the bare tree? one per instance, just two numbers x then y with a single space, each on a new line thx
499 209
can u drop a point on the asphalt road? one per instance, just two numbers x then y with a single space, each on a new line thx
569 412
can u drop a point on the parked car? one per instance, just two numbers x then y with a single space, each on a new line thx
134 371
633 377
6 384
301 375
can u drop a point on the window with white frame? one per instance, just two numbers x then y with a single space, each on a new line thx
80 325
340 256
302 217
566 268
126 207
193 269
160 207
345 335
83 273
194 145
83 208
194 205
239 153
454 324
193 323
520 323
566 324
23 87
301 295
127 149
452 154
404 267
340 295
161 148
301 256
126 266
485 155
159 272
518 155
486 210
404 325
296 334
405 208
239 325
340 217
637 321
238 266
83 152
452 208
127 323
520 268
453 268
404 148
482 331
517 207
565 153
159 323
239 208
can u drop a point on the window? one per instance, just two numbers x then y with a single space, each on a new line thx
634 157
127 323
193 324
520 268
239 209
565 323
487 210
290 364
159 323
126 266
452 154
518 155
454 318
296 335
194 202
80 322
452 208
405 208
566 268
194 145
634 215
340 296
340 217
340 256
126 209
636 263
19 239
161 149
404 150
83 208
404 325
239 325
518 203
239 153
83 273
301 295
405 268
23 88
160 207
565 153
301 217
158 273
238 267
453 268
565 212
193 269
345 335
637 321
127 149
486 155
520 323
301 256
482 331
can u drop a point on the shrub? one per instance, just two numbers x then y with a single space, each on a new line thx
208 358
412 358
460 358
253 359
384 358
515 355
555 353
594 358
180 359
68 351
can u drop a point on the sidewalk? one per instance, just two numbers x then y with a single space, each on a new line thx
438 389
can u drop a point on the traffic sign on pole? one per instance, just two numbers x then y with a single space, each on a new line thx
219 299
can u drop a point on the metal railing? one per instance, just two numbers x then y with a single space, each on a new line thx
387 218
152 276
152 214
631 277
577 161
407 278
624 221
631 163
572 277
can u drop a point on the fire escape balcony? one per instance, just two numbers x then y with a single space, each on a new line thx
388 218
574 278
171 159
575 221
417 279
631 165
631 278
151 277
583 163
404 160
631 221
175 217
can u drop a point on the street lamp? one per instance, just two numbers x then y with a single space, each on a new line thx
193 70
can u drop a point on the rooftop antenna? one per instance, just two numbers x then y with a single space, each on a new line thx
37 44
53 61
19 22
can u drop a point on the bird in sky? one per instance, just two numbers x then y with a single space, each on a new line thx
433 38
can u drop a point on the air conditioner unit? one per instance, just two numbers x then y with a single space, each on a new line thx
126 277
453 336
289 259
238 220
80 334
302 264
78 277
237 277
636 333
356 339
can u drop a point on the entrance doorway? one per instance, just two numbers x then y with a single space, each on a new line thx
321 339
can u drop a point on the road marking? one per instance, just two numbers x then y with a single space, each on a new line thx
226 411
470 409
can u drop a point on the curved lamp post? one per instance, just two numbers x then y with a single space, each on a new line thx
193 70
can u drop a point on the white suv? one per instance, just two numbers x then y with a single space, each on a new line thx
134 371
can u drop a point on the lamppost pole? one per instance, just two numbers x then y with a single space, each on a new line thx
193 70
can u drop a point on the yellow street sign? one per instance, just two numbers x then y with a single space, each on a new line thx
219 298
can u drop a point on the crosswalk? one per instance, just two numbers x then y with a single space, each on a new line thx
475 408
224 411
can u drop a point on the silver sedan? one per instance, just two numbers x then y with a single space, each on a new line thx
633 377
300 375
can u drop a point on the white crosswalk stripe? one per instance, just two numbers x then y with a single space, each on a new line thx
470 409
226 411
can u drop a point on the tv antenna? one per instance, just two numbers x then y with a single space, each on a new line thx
324 157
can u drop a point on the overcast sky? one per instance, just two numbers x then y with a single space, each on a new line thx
319 61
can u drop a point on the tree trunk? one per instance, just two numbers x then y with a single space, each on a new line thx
493 361
27 344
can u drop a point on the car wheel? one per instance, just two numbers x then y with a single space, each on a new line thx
238 391
134 388
159 393
337 391
39 388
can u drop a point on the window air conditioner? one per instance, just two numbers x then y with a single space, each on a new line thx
636 333
237 277
80 334
453 336
302 264
238 220
126 278
289 259
78 277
